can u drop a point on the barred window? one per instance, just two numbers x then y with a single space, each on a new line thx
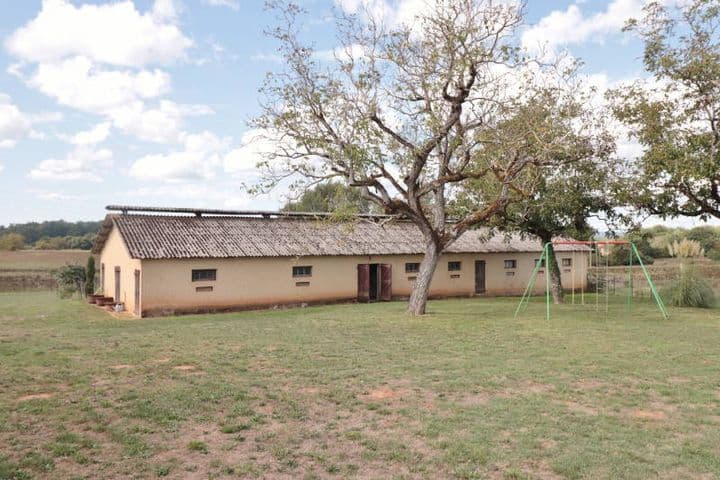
453 266
567 262
412 267
204 275
302 271
510 263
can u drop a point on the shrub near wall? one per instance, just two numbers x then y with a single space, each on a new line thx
689 289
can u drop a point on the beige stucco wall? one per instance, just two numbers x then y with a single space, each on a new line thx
115 254
167 285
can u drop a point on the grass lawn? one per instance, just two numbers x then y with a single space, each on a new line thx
358 391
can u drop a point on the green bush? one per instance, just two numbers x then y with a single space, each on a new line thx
689 290
70 279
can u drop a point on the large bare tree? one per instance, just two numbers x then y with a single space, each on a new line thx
410 113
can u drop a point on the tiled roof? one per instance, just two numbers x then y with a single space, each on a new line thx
164 236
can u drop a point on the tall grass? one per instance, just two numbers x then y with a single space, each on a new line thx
689 290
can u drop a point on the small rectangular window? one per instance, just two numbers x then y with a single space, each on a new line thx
567 262
302 271
510 263
455 276
510 274
302 284
203 289
412 267
204 275
454 266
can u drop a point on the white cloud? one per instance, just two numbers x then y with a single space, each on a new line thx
572 26
82 163
161 125
97 134
114 33
254 146
232 4
80 84
266 57
96 59
199 160
14 124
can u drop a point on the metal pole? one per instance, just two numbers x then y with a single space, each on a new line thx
572 276
547 281
531 284
654 291
630 281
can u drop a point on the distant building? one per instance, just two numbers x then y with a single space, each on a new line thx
156 263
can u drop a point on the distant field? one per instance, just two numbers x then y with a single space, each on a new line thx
31 269
359 391
28 260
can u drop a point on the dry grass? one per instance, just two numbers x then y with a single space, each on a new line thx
358 391
32 269
34 260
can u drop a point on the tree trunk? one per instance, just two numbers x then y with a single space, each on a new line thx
419 295
553 269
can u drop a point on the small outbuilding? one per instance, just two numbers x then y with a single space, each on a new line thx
159 261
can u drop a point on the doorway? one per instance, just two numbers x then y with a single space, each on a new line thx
374 282
137 293
117 284
479 276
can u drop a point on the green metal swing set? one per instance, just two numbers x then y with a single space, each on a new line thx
599 249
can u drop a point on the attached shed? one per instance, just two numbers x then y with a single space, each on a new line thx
163 262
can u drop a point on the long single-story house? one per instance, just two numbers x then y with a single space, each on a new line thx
161 261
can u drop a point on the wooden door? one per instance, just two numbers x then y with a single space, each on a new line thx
386 282
117 284
480 276
137 293
363 282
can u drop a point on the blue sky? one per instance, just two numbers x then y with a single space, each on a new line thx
146 102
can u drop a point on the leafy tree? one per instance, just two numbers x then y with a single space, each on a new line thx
34 231
90 276
577 186
67 242
409 114
331 197
620 254
709 238
12 241
676 115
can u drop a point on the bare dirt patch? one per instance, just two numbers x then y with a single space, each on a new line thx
185 368
309 390
122 366
647 414
382 394
677 380
35 396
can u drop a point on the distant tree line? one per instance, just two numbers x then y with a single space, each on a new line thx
49 235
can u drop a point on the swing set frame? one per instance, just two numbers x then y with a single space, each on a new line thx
634 258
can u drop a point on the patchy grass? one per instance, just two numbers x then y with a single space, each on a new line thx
358 391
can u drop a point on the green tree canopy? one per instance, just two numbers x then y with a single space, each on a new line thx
331 197
676 114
